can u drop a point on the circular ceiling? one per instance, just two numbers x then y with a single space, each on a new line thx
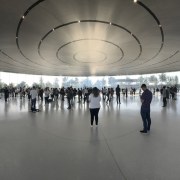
84 38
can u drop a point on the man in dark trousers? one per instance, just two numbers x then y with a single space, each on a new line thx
118 94
146 99
69 96
6 94
164 94
33 94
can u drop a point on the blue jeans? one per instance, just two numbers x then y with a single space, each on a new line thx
33 104
145 114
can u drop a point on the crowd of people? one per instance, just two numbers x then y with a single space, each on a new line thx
51 94
92 97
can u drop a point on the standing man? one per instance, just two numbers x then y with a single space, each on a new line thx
126 92
118 94
6 94
69 97
164 94
104 93
146 99
33 94
175 92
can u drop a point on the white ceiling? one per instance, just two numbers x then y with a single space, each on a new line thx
89 37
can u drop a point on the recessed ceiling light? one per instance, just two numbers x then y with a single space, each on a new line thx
79 21
110 23
135 1
23 17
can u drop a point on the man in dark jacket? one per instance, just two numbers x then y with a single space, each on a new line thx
118 94
6 94
146 99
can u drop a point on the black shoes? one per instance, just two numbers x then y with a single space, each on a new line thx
142 131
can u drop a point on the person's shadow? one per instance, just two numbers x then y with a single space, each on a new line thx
94 139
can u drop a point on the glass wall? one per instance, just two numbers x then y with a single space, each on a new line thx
13 79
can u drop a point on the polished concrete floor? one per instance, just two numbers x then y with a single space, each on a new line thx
59 144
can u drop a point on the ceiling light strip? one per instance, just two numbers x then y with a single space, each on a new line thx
170 62
171 56
5 54
14 65
23 71
159 25
18 30
44 37
165 69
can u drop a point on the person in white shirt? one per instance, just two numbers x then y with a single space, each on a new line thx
33 94
94 105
